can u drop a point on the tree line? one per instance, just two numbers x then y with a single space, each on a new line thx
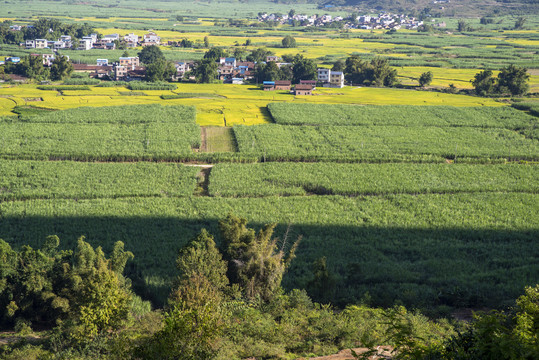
226 302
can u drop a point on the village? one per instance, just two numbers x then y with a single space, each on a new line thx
129 68
383 20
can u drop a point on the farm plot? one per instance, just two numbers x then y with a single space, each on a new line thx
22 180
287 179
415 249
381 143
314 114
150 133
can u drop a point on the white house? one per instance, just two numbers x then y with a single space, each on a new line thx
85 44
323 75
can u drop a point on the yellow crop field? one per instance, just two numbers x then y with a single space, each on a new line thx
237 104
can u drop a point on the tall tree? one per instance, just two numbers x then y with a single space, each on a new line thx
151 54
205 71
61 68
484 83
514 80
160 70
255 260
288 42
425 79
303 69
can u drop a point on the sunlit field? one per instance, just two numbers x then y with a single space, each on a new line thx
235 104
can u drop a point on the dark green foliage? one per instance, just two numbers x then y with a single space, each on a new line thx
160 70
150 54
303 69
377 72
47 285
206 71
288 42
61 68
503 335
215 53
270 72
140 85
256 263
484 83
259 55
513 80
425 79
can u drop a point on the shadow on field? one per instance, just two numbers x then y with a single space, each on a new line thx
382 266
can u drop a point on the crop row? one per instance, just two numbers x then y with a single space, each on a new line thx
287 179
80 180
476 249
404 115
381 143
127 114
97 141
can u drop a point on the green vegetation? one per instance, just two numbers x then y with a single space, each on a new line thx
288 179
382 143
410 116
511 80
23 180
139 85
119 133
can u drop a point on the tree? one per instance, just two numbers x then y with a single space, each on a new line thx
519 24
201 257
376 72
259 55
82 288
205 71
484 83
303 69
268 72
425 79
126 54
338 65
322 285
61 68
160 70
288 42
463 26
206 42
215 53
291 13
514 80
151 54
255 261
195 319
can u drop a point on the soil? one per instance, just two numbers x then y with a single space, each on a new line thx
384 352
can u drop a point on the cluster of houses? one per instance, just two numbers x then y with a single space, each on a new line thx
326 77
47 59
381 21
92 41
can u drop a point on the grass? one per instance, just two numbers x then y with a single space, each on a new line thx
219 139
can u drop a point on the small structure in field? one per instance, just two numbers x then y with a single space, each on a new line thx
283 85
303 89
269 85
308 82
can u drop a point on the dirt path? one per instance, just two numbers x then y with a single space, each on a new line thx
384 352
203 139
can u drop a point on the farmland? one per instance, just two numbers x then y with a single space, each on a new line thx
289 179
410 225
422 198
382 143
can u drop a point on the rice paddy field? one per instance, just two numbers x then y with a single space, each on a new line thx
238 104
